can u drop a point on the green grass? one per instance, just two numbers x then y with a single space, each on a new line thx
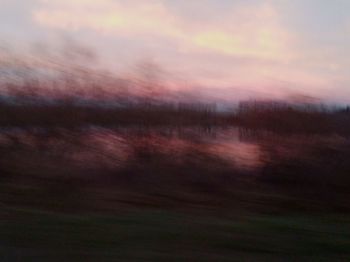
151 235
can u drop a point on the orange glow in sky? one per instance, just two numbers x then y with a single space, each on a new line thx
266 46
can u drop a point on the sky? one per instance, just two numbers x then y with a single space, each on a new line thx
270 48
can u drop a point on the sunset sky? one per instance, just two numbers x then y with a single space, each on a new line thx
264 47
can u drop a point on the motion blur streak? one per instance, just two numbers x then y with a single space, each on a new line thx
174 131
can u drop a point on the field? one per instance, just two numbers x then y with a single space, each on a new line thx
164 193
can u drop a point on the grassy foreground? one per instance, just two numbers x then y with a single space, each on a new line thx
153 235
